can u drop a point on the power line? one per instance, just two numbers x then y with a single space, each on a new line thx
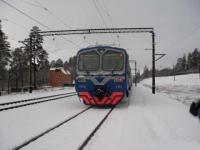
28 16
104 5
19 25
53 14
33 19
23 27
103 8
98 11
29 3
101 16
41 6
106 11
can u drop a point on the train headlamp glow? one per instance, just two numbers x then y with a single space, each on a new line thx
81 79
119 79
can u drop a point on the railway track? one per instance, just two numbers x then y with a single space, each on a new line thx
95 130
77 115
33 101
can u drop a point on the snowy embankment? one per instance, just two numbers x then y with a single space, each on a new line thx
185 88
148 122
35 94
145 121
21 124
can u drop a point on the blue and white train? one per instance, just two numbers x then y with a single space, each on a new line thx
103 75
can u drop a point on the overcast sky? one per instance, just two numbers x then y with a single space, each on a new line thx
176 24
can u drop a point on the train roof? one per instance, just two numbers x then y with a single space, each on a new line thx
102 46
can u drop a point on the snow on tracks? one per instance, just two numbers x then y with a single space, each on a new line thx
34 101
71 135
19 125
49 130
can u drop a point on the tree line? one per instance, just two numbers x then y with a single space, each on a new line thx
189 63
15 64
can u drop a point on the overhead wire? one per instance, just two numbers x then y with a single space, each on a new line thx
28 16
29 3
13 22
33 19
104 8
59 19
101 16
53 14
23 27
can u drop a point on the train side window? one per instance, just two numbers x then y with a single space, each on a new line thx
113 61
88 61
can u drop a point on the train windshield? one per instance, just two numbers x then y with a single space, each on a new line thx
112 61
89 61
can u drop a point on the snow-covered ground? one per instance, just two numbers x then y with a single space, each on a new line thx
149 122
185 88
35 94
143 122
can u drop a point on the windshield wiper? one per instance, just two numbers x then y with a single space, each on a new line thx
113 69
86 70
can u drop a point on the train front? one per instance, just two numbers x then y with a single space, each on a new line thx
100 75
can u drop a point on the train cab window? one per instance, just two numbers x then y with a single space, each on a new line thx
112 61
89 61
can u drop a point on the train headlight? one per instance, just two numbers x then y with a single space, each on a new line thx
119 79
81 79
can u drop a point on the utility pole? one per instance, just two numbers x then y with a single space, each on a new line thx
199 68
135 70
9 81
30 69
135 73
153 62
174 72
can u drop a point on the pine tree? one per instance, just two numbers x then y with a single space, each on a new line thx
53 64
189 61
184 63
4 55
18 66
66 65
145 72
195 58
59 63
39 55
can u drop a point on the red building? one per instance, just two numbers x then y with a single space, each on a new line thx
59 77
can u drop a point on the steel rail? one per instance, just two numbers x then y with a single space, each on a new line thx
50 129
33 99
33 103
95 130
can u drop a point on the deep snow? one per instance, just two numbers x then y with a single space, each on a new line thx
35 94
185 88
143 121
149 122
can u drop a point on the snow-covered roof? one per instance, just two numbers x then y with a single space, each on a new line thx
62 69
